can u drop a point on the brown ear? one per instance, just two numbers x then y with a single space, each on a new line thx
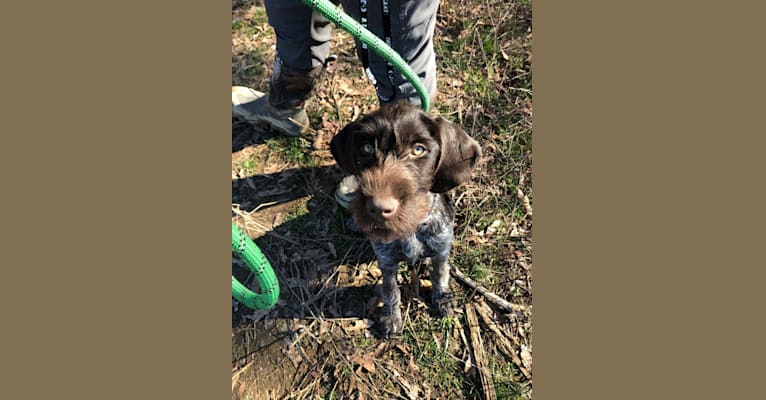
342 147
459 154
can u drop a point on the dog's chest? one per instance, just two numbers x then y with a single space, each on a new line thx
425 243
432 238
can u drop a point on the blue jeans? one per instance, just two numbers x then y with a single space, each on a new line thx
303 40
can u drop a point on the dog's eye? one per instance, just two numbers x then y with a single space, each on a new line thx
367 148
418 150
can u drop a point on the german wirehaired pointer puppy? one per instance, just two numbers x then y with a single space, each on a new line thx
405 161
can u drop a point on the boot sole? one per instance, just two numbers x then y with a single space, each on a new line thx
242 95
276 124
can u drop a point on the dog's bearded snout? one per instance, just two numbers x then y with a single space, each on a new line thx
382 207
388 205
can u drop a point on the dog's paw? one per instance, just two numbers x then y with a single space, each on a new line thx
390 323
443 303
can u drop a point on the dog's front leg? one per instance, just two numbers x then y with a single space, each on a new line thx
441 297
391 315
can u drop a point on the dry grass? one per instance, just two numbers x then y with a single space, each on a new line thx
319 342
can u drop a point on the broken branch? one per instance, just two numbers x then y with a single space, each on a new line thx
491 297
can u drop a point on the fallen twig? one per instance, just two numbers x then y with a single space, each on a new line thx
491 297
238 371
501 340
488 387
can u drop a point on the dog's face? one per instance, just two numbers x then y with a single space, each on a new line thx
399 154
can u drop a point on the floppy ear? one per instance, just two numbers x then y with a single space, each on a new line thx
459 154
342 147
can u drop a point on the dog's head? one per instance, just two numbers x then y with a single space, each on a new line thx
400 154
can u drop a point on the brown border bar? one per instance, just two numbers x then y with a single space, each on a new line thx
648 200
116 143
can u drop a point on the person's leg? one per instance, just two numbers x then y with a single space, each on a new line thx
411 33
303 35
303 44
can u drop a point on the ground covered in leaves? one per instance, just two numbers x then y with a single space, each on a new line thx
320 341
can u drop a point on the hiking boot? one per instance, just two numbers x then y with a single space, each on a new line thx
283 107
255 108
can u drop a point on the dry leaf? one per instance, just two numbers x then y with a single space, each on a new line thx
294 355
375 271
517 232
358 280
381 348
351 389
366 361
358 325
493 227
369 364
412 366
526 356
241 391
409 390
475 239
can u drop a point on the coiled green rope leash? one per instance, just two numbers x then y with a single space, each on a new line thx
244 247
241 244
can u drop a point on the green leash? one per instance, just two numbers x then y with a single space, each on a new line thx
348 24
241 244
249 252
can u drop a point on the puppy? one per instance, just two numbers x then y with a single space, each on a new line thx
405 161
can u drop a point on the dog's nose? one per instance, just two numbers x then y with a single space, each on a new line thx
381 206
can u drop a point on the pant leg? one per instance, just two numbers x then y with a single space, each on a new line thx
303 35
412 30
